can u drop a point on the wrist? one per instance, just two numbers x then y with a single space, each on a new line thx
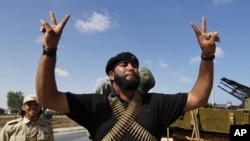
49 51
207 58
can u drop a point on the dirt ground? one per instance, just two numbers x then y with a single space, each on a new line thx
57 121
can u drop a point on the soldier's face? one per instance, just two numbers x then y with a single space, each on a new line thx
126 76
31 108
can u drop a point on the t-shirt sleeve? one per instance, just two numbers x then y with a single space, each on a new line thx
172 107
78 107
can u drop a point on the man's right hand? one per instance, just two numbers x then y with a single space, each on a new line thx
52 32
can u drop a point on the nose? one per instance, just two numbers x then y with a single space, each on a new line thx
33 105
131 66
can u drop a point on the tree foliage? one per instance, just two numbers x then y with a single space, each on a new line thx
2 111
14 100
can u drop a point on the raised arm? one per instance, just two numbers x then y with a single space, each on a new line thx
201 90
46 88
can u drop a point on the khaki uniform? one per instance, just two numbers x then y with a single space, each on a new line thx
23 130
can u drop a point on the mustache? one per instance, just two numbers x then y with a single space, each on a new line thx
131 73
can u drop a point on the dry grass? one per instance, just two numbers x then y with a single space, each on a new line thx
57 121
63 121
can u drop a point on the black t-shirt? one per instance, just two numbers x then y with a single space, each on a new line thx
93 112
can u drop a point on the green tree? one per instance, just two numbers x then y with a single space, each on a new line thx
14 100
2 111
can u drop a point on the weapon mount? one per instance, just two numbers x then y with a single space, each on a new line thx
239 91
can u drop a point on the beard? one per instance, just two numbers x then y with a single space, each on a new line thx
127 84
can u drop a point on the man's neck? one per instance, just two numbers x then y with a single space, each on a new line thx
32 119
124 95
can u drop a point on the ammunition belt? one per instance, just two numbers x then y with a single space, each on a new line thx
126 120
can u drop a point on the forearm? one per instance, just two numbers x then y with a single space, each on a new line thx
204 83
200 92
45 80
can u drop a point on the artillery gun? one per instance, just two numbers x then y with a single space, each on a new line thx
213 123
239 91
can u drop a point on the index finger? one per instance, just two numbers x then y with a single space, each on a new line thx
52 18
203 25
196 29
64 20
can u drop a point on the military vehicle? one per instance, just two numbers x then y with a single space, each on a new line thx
212 123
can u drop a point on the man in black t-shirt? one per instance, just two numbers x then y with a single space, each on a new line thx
124 114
